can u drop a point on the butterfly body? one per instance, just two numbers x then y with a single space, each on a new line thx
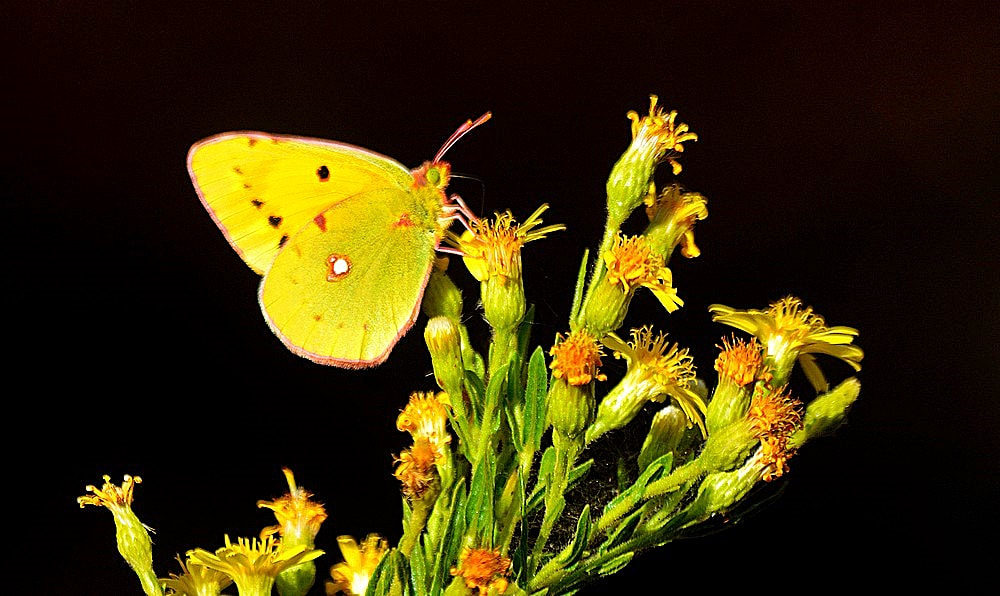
344 237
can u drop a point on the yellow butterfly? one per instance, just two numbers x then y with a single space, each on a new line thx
344 237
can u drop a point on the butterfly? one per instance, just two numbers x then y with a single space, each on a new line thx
344 238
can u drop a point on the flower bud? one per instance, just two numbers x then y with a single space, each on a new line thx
442 297
444 342
672 216
132 536
665 434
571 407
827 412
655 138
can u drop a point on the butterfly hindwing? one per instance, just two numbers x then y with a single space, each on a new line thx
261 188
348 285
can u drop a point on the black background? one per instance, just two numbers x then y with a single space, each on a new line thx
847 153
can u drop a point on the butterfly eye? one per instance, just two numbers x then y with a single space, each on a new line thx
434 176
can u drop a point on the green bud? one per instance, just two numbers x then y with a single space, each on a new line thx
727 447
444 342
729 403
503 301
297 580
623 403
442 297
827 412
606 308
571 407
629 181
721 490
665 434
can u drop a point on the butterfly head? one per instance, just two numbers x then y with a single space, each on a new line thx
433 174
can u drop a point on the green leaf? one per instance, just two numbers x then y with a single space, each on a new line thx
418 569
580 539
451 543
534 400
615 565
479 509
391 576
581 280
524 336
652 473
622 532
474 385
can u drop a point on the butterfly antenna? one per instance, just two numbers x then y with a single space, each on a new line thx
458 134
482 186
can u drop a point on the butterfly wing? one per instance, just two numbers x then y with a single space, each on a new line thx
348 285
261 188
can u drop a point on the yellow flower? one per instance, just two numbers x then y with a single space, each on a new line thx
633 263
492 248
425 417
789 331
483 570
658 134
492 252
196 580
351 576
131 535
299 518
577 358
655 139
253 564
415 469
774 416
672 216
739 362
656 370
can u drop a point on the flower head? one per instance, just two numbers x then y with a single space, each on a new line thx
739 361
132 535
299 517
351 576
655 138
483 570
425 417
415 469
492 248
253 564
196 580
774 416
577 358
672 215
656 370
789 331
658 134
632 263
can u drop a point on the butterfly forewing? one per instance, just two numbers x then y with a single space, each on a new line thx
348 285
262 188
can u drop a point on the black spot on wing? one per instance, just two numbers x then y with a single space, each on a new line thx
274 220
323 173
256 202
282 240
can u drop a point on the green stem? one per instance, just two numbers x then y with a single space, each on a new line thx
671 482
418 519
566 452
611 228
503 348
